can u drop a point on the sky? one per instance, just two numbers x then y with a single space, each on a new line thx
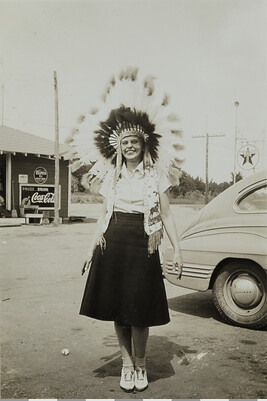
207 54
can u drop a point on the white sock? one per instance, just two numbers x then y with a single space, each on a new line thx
127 363
140 362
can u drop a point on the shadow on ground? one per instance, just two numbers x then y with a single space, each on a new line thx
198 304
161 351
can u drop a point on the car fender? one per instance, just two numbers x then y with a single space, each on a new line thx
202 253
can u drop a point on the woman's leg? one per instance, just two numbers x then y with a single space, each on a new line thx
124 335
140 337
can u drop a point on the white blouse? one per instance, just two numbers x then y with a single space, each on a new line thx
129 196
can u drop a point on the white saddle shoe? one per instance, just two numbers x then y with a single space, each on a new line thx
140 379
127 380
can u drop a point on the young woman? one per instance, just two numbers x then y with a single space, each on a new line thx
125 283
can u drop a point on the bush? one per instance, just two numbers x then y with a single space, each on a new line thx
190 198
85 197
195 196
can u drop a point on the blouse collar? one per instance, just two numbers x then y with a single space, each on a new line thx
139 168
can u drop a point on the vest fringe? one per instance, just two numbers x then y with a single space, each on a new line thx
154 241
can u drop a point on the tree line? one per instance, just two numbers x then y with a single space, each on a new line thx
190 189
194 188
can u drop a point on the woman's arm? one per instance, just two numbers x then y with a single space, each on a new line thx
170 227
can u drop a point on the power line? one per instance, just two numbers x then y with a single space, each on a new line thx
36 123
207 136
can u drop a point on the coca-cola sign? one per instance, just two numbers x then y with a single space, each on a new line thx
40 195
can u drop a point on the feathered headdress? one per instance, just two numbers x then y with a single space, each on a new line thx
129 104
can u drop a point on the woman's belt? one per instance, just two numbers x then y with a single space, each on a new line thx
128 216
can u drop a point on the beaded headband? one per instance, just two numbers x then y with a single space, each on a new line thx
117 136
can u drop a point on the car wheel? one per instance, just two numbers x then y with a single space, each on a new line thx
240 294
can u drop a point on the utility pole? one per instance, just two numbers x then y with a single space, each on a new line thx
56 217
3 100
207 136
236 109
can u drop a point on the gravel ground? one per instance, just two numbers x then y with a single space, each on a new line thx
196 355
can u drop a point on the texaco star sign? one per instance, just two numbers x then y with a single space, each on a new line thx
248 157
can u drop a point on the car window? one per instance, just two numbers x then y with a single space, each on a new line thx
255 200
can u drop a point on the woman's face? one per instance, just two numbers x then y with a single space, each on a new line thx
132 148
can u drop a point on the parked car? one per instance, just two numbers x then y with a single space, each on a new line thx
224 248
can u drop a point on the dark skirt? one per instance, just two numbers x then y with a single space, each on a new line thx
125 284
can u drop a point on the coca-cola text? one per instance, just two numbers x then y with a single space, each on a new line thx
49 197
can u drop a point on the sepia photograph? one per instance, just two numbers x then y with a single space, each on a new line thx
133 199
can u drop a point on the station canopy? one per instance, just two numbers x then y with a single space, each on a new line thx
15 141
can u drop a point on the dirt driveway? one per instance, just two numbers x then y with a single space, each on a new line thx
196 355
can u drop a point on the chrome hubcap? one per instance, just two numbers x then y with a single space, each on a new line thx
245 291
